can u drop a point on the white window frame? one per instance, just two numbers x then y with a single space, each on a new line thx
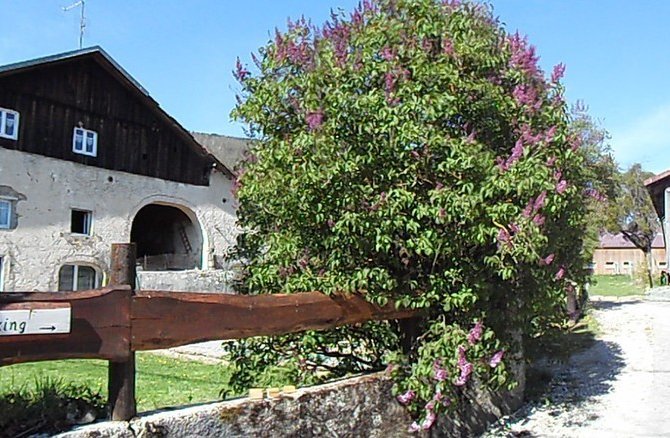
75 274
2 273
84 134
6 223
88 221
3 121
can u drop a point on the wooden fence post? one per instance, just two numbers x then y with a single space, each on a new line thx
121 375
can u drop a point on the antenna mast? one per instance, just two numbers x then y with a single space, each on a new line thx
82 20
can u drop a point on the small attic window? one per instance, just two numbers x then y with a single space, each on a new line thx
85 142
9 124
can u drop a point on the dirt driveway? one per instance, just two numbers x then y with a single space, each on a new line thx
618 387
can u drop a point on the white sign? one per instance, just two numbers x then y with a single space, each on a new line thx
35 321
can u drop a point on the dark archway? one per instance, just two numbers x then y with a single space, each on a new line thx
166 238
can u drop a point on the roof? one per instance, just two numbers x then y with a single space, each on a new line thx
229 150
108 63
609 240
656 186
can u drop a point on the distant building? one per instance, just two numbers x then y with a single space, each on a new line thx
87 159
616 255
659 189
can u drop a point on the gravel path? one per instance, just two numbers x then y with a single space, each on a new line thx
619 387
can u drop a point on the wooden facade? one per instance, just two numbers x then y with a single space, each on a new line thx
87 89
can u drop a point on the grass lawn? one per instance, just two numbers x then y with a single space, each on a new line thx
161 381
616 285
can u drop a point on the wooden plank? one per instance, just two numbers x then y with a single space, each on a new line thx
99 327
169 319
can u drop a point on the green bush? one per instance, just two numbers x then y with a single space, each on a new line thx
51 407
415 153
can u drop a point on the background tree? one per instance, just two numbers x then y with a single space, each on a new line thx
602 174
632 213
413 152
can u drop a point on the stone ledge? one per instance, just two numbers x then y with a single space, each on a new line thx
358 406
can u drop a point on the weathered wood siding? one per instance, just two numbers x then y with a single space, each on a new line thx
132 136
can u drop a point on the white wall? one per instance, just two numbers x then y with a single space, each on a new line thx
41 243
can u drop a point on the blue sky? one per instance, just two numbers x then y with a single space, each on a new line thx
183 52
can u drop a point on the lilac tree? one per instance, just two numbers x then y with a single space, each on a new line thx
413 152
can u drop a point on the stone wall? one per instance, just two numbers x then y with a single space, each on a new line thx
195 280
355 407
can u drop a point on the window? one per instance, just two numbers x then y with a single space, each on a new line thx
2 273
77 277
80 222
5 213
85 142
9 124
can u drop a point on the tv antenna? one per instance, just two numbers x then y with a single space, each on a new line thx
82 20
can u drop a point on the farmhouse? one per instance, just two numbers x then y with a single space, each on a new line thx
87 159
616 255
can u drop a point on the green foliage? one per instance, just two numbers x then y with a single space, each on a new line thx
416 154
602 173
310 357
633 214
51 407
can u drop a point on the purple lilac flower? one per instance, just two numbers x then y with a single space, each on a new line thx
539 202
241 73
538 220
475 333
559 71
517 152
523 56
439 186
338 33
429 420
441 375
502 164
447 46
551 161
496 359
466 371
503 236
451 4
514 228
462 360
560 274
528 210
595 194
314 119
414 427
558 175
528 137
387 54
549 135
547 260
406 397
561 187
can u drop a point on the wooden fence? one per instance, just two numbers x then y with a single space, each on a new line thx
115 322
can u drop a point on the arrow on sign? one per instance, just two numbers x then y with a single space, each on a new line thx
52 328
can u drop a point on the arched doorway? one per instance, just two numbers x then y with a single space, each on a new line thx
167 238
